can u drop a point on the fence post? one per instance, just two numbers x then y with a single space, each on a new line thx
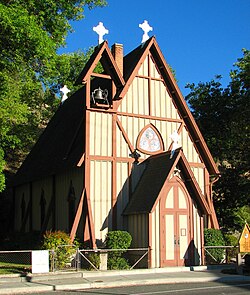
78 261
53 260
103 260
239 264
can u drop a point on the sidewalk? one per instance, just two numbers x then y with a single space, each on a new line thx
14 284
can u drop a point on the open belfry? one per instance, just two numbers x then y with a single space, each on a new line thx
122 153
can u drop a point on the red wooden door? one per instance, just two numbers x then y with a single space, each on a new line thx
175 226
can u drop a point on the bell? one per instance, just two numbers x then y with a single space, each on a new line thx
100 96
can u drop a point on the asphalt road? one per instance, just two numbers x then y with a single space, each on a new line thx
210 288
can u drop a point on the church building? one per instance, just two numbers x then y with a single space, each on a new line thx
122 153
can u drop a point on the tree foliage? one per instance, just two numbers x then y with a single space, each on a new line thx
223 117
31 71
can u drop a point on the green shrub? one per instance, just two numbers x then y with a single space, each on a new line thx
95 259
231 240
60 242
117 262
117 240
214 237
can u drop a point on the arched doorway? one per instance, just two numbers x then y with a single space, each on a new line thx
176 225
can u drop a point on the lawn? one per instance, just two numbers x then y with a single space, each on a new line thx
13 268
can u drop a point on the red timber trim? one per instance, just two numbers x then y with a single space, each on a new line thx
174 183
189 177
149 86
87 94
88 230
214 217
90 222
125 136
140 116
203 202
87 176
196 165
77 217
186 114
114 173
202 242
152 47
103 54
212 220
79 164
136 69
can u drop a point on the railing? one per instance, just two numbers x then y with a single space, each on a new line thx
15 261
97 259
230 252
66 258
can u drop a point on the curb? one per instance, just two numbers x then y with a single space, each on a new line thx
30 288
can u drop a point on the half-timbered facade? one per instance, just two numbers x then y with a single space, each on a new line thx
106 161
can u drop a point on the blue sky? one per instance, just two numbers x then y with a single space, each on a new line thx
198 38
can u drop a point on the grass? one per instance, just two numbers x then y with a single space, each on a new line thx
13 268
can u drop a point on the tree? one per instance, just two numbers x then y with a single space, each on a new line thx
223 117
31 33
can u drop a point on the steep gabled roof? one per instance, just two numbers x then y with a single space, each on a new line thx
103 54
132 63
60 146
157 172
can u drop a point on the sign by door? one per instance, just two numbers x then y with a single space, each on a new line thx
40 261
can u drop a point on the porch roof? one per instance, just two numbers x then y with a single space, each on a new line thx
158 170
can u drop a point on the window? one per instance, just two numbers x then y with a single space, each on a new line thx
149 140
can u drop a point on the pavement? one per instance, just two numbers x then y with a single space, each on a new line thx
59 281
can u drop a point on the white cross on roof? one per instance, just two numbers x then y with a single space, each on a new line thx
65 91
101 31
146 28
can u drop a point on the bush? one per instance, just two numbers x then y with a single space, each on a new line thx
63 248
117 240
214 237
231 240
95 259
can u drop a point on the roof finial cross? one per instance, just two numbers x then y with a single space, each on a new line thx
175 142
101 31
146 28
65 91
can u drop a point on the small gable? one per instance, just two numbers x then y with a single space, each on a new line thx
103 55
100 90
157 172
